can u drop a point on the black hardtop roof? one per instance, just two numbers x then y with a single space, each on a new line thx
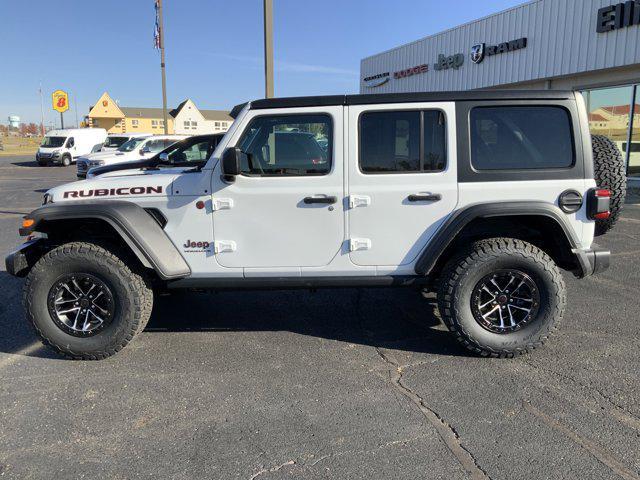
365 99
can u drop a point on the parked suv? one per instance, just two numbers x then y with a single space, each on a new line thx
193 151
484 197
139 147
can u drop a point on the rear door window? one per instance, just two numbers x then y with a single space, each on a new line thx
514 138
402 141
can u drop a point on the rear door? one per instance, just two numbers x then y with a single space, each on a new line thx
285 210
402 179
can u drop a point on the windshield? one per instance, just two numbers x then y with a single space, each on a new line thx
115 142
190 152
53 142
130 145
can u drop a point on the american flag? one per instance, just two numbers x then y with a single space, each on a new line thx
156 28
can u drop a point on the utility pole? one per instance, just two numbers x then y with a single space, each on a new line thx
268 48
41 112
164 77
75 108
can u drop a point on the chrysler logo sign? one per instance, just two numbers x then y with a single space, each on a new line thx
480 50
376 80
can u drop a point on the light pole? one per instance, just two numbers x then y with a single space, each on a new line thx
164 77
268 48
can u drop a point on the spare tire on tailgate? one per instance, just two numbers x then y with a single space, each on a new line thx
610 173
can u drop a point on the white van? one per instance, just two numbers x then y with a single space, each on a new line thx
65 146
116 140
135 149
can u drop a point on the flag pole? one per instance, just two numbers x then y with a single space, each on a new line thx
162 68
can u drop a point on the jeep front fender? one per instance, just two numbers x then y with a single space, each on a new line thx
136 227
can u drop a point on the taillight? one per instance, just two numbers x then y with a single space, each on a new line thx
598 204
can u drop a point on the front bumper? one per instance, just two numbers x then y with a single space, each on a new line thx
19 262
592 261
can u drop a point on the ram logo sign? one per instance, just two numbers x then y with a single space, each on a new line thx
480 51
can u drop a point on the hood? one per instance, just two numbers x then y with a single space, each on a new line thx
139 171
120 187
104 155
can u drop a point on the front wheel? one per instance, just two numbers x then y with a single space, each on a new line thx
85 302
503 298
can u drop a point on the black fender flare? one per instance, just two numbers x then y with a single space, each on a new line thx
136 227
461 218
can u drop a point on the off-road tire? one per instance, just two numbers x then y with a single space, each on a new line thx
610 173
133 298
463 272
66 160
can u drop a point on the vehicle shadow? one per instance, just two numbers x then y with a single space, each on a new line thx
397 318
31 163
16 336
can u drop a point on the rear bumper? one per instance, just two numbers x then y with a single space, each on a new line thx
592 261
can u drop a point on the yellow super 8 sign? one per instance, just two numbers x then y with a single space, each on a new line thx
60 101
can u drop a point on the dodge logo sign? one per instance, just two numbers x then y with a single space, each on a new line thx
477 53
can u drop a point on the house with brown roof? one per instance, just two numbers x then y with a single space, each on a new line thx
185 119
614 117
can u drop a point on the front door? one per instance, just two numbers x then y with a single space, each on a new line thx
285 210
402 179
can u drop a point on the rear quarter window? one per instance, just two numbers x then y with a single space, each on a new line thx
517 138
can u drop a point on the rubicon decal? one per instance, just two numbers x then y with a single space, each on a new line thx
108 192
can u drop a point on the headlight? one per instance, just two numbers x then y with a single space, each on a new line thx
48 198
96 163
55 153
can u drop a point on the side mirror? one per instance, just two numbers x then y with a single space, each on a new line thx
231 164
164 157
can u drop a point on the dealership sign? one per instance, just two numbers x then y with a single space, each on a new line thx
451 61
481 50
376 80
407 72
615 17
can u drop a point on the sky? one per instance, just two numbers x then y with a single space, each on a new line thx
214 48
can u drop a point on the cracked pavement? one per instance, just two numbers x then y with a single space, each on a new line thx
347 384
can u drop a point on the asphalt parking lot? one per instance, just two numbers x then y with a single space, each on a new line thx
361 383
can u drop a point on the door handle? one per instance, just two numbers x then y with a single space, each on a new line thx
425 197
320 199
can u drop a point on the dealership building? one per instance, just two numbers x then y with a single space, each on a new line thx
592 46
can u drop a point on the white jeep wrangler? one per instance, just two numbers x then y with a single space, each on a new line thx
483 196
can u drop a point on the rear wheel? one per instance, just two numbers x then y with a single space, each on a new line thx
502 298
610 173
85 302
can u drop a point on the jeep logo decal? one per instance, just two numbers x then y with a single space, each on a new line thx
106 192
196 246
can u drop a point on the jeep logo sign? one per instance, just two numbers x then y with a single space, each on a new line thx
447 62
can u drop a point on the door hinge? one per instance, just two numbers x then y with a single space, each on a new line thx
221 246
359 244
359 201
222 203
